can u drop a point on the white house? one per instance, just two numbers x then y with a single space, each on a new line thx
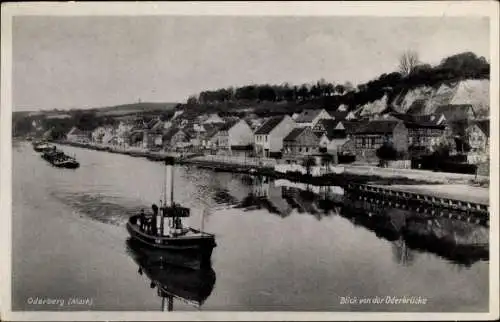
103 134
234 133
123 132
269 136
311 117
77 135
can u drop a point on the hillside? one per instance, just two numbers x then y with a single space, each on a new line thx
125 109
424 99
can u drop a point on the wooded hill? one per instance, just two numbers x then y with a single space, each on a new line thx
286 98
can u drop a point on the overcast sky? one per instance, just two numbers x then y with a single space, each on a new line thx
82 62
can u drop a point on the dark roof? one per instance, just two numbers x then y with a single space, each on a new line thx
228 125
351 126
454 112
211 129
339 115
336 134
269 125
318 134
417 107
429 120
403 117
294 134
484 125
307 115
167 136
157 127
77 131
328 123
377 127
420 121
330 131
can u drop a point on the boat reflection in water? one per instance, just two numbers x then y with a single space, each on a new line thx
192 286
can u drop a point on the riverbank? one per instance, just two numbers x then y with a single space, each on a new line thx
448 183
349 174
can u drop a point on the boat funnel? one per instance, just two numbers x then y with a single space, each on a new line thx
169 160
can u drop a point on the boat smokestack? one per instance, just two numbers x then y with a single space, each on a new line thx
169 162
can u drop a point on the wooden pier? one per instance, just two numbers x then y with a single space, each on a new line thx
425 204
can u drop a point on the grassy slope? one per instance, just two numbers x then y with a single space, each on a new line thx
117 110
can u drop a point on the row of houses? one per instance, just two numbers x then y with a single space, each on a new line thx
291 138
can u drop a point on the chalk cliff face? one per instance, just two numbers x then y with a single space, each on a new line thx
373 108
425 99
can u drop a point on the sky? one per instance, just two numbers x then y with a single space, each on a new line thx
86 62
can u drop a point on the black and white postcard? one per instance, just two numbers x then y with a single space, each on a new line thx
239 160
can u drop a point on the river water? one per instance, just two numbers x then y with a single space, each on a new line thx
283 253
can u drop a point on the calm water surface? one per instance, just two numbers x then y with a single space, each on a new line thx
282 252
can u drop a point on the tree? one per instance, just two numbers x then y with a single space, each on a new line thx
327 159
308 163
348 86
266 93
192 100
303 92
386 152
340 89
408 61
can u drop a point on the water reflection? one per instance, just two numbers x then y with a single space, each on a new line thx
172 282
409 233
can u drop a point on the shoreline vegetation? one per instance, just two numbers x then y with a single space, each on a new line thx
458 185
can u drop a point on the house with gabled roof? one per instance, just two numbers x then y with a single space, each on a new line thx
175 138
153 134
370 136
332 134
269 136
105 134
79 136
209 139
234 134
478 135
300 143
456 112
310 117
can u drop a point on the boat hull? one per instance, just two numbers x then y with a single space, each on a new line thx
66 165
60 160
193 252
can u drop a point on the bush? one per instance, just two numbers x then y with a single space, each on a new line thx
386 153
458 167
346 158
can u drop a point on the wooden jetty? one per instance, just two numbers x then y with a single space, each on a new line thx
419 202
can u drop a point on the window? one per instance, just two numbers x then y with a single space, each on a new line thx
266 138
307 149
